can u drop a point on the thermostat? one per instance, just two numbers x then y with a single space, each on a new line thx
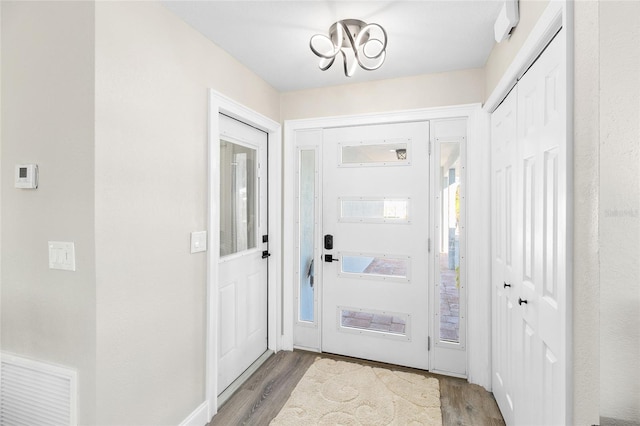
27 176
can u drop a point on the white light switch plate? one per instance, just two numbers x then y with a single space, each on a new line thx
198 241
62 255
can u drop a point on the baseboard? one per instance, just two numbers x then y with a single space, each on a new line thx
233 387
607 421
199 417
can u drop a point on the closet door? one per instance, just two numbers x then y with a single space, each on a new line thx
504 269
529 244
542 239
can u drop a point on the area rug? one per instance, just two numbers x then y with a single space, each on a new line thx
345 393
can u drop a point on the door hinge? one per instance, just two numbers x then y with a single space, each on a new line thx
429 343
429 245
429 148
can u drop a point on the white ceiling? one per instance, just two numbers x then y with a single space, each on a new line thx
272 37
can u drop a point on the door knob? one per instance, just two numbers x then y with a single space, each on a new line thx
521 301
506 285
329 258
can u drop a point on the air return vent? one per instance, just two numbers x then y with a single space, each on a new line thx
35 393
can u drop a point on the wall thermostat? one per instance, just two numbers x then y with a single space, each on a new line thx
27 176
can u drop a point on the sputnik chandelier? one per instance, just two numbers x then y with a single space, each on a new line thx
359 43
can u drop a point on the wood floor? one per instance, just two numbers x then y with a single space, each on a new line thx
261 397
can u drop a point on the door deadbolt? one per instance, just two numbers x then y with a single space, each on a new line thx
328 242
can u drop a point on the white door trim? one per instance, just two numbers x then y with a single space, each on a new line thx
219 103
478 232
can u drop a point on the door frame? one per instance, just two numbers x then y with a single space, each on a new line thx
478 229
219 103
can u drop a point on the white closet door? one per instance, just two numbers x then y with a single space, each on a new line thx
504 268
530 250
542 223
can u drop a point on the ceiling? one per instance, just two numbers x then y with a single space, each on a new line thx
272 37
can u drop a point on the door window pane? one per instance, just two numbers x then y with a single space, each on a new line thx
238 220
374 210
449 257
307 208
375 153
374 321
372 266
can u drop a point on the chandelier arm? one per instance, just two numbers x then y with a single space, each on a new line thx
326 67
319 54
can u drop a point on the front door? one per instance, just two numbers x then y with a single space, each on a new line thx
242 283
376 242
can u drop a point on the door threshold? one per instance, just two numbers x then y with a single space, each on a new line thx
233 387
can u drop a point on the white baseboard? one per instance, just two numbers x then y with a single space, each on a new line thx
199 416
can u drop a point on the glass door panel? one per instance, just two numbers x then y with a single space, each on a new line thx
238 219
307 222
449 250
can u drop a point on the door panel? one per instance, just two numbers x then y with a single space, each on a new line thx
530 311
505 329
242 280
375 204
543 141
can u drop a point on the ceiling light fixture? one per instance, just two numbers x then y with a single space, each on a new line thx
359 43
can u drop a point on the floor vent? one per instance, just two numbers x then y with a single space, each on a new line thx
36 393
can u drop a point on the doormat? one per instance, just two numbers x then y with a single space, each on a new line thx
345 393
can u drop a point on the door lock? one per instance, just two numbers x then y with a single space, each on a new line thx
329 258
328 242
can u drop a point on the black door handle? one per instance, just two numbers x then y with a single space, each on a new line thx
506 285
521 301
329 258
265 254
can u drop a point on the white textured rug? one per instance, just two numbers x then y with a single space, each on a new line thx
344 393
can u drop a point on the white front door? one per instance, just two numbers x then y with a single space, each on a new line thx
376 232
242 283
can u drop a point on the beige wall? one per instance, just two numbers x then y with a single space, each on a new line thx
619 29
503 53
607 204
423 91
152 76
586 270
110 99
47 116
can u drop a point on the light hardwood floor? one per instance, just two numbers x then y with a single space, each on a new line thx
262 396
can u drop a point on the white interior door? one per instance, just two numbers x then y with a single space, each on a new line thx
242 279
376 208
541 287
530 251
504 269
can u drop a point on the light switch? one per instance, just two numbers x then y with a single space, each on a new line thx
198 241
62 255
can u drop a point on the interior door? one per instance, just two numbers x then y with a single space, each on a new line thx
504 269
375 221
242 283
542 238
